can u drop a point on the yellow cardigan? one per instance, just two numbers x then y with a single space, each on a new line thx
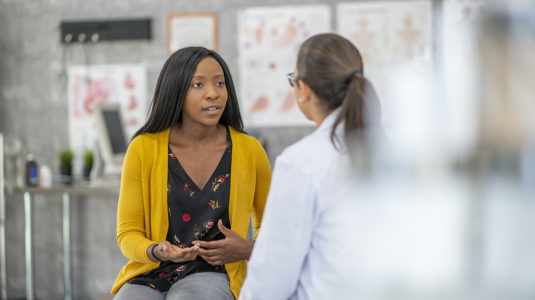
142 217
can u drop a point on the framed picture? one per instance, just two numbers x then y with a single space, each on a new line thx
195 29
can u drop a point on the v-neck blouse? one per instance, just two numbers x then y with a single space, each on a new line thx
193 215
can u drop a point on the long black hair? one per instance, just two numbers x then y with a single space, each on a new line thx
173 84
332 67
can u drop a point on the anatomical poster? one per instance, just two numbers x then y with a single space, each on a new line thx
268 41
111 84
387 33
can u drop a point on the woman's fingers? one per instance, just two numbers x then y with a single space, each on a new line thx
210 252
183 254
214 260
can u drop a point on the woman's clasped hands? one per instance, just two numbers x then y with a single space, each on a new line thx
230 249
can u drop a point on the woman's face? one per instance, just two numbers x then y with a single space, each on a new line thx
207 94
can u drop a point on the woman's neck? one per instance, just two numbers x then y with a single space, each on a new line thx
194 133
318 113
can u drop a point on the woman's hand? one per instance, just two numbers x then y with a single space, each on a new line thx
230 249
167 251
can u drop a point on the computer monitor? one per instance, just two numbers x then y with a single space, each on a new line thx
112 139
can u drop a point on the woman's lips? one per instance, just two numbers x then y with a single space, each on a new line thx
212 109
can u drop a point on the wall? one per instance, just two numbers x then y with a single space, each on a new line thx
33 107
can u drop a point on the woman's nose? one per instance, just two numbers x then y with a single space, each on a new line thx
212 92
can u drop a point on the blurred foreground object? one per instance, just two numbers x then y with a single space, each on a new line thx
433 222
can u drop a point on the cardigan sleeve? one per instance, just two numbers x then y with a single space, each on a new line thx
131 233
263 179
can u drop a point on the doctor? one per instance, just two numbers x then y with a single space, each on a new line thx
300 251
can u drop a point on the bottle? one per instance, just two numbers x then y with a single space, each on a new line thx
32 171
45 176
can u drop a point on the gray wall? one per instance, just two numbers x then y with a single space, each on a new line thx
33 107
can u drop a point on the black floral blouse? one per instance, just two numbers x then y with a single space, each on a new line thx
193 215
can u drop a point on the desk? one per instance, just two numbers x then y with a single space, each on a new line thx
66 192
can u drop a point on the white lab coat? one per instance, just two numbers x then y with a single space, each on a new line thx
300 251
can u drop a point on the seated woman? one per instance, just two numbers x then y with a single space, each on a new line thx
191 180
305 246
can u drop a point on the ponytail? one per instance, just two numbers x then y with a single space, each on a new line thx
359 110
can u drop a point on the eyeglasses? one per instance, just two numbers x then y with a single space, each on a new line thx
292 79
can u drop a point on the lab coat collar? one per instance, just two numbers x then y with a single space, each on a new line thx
329 120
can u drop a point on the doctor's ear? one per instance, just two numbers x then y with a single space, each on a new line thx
306 91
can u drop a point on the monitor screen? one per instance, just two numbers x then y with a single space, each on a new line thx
111 136
114 127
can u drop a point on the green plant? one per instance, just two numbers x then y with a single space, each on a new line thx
88 159
65 158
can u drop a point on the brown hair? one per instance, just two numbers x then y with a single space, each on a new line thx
332 67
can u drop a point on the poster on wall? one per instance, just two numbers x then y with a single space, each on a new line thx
184 30
268 42
462 11
395 41
387 33
459 68
459 21
113 84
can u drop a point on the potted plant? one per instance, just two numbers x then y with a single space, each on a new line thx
88 163
65 165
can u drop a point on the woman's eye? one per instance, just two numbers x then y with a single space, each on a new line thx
197 84
220 83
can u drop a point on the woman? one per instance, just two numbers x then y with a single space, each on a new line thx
302 251
191 180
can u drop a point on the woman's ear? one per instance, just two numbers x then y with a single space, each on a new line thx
306 91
